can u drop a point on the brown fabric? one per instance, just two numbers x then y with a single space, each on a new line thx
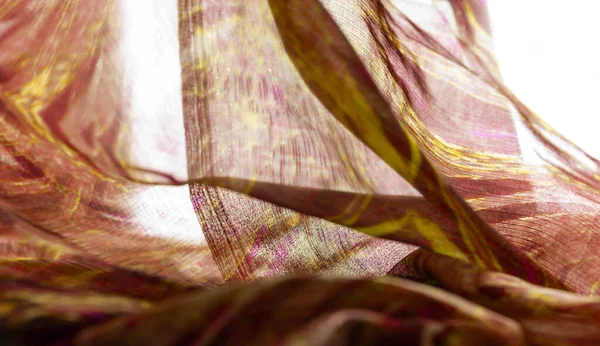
258 171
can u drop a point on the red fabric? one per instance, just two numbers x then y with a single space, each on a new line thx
282 172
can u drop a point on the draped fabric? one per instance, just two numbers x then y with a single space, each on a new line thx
312 172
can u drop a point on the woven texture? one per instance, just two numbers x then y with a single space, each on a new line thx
282 172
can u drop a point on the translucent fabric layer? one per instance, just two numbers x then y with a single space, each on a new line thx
296 172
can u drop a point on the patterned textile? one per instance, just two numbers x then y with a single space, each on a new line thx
311 172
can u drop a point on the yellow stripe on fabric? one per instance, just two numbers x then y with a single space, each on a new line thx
270 219
334 73
363 117
71 281
464 234
473 20
356 216
437 237
468 230
250 186
594 288
345 212
343 96
75 205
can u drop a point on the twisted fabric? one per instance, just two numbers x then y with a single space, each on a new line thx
311 172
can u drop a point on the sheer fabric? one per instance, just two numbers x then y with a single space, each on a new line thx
315 172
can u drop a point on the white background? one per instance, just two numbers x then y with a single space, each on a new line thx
549 55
